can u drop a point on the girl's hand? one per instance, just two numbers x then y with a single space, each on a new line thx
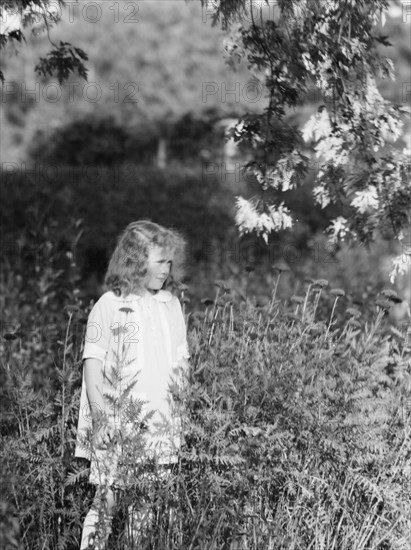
103 437
103 432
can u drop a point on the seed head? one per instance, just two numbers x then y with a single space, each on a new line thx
337 292
383 304
181 287
280 267
72 309
322 283
391 295
126 309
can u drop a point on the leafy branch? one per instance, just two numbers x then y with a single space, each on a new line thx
64 60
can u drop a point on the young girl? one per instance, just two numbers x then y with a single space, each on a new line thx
136 338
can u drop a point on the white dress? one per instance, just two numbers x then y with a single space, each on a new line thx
143 339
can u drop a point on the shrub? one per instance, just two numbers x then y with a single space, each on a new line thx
106 199
299 433
83 142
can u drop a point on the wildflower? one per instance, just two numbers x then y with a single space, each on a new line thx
321 283
207 302
309 280
353 323
281 267
182 287
185 299
72 309
391 295
337 292
383 304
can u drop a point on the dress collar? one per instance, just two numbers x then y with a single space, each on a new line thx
161 296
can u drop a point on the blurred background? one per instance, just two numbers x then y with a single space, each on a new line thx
144 137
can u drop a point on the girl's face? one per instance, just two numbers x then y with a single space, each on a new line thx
158 267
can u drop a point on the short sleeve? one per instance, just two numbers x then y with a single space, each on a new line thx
97 340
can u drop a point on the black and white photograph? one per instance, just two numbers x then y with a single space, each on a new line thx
205 277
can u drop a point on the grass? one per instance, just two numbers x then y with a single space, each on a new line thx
297 423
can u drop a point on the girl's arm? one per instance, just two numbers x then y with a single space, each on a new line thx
93 377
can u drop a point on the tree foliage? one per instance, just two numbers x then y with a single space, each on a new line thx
335 48
40 16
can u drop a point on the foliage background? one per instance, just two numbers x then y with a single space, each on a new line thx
169 74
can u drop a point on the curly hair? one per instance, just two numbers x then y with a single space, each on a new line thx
127 269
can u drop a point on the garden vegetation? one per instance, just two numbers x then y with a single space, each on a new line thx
296 427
